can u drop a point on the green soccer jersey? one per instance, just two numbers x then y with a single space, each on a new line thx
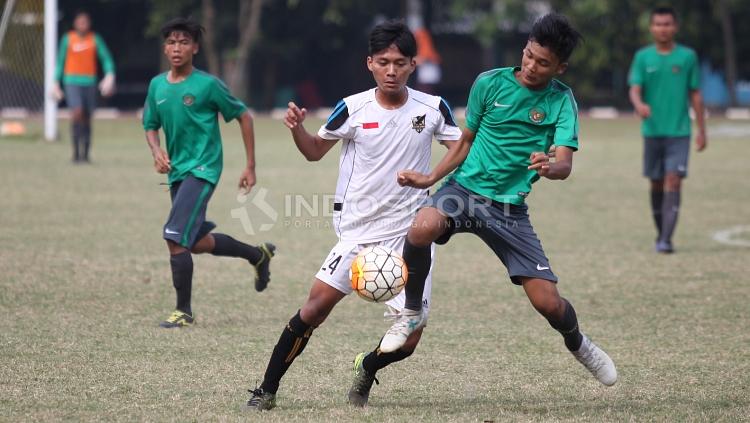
188 113
666 81
511 122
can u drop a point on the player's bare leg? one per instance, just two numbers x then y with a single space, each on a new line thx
562 317
428 225
322 299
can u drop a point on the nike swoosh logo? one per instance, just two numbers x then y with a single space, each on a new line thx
77 48
651 70
540 267
171 232
158 102
502 105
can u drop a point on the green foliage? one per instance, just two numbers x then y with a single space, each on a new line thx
613 32
326 34
164 10
491 17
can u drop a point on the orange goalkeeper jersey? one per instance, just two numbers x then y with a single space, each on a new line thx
78 58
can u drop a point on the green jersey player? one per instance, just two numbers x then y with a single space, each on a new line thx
185 103
517 120
664 78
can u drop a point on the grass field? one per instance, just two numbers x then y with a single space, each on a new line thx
84 281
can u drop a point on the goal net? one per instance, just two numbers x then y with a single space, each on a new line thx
22 55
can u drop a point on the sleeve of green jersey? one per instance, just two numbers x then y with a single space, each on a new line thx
695 72
150 117
105 58
635 76
229 106
566 130
475 107
61 52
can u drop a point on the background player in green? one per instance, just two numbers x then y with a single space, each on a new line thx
79 52
185 103
514 116
664 77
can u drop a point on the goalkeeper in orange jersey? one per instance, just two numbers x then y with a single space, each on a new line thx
80 51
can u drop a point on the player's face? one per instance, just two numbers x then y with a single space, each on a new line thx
663 28
180 48
82 23
538 66
391 70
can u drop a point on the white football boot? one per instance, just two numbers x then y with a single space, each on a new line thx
597 361
407 322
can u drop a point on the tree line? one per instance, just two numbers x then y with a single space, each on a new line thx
262 47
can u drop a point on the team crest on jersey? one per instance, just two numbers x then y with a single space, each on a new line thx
417 123
188 99
536 115
676 69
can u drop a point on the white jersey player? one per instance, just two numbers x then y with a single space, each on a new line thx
370 207
383 130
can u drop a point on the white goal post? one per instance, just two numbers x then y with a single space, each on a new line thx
50 57
28 44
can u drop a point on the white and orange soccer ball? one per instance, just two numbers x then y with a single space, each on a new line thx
378 274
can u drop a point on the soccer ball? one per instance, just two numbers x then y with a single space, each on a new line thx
378 274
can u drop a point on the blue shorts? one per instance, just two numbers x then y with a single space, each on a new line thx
504 227
662 155
187 220
81 97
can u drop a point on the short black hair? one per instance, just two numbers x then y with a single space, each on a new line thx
555 32
184 25
664 10
80 12
392 32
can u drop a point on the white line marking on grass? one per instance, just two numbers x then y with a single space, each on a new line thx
731 236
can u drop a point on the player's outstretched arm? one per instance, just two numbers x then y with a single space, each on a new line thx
161 158
559 169
642 109
247 179
457 152
313 147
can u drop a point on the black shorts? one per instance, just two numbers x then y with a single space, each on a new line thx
504 227
80 97
187 220
662 155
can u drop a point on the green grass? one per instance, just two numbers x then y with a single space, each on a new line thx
84 280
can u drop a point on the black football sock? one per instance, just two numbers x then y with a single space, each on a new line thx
290 345
182 279
418 260
225 245
75 133
568 327
670 211
376 359
85 140
657 198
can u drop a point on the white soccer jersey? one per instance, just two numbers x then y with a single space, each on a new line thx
369 205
